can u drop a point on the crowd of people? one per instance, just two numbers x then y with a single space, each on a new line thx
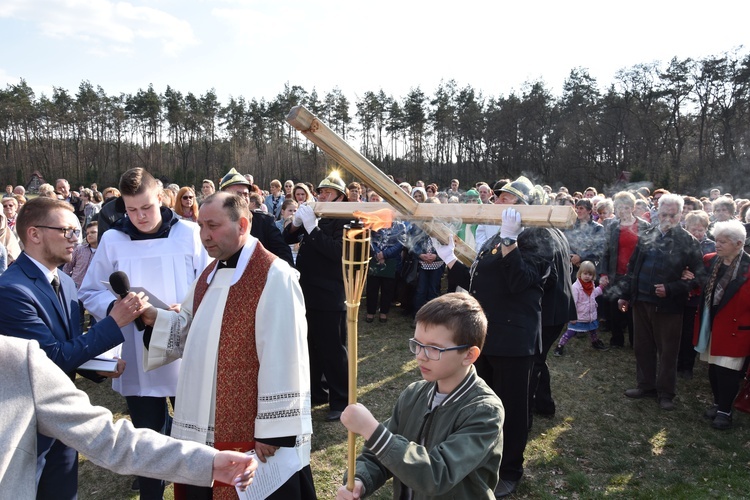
666 272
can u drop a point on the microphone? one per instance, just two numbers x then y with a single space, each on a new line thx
120 284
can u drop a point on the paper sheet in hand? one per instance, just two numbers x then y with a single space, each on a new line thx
271 475
152 299
99 364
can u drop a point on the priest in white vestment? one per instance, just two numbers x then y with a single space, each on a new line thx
242 336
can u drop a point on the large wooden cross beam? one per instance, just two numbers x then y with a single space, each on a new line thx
433 218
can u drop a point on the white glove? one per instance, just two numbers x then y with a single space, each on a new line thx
511 227
308 218
445 252
297 221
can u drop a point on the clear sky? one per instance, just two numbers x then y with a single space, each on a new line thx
253 47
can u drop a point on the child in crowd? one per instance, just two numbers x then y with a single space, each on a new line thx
444 437
83 254
584 294
78 266
288 209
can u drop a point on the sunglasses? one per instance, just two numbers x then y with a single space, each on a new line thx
187 197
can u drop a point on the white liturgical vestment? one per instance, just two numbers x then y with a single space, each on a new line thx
166 267
283 401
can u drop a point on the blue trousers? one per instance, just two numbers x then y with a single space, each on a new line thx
59 476
428 286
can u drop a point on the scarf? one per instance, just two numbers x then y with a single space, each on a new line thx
712 296
588 287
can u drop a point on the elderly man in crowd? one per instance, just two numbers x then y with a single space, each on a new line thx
62 188
658 294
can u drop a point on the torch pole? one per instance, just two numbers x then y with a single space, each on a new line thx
355 262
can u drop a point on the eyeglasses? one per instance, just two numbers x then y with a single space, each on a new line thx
187 197
68 232
432 352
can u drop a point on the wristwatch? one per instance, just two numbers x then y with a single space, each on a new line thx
507 241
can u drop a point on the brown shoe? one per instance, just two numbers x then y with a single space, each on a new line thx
640 393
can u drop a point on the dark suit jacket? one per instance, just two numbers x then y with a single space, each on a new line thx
29 309
319 264
678 250
510 291
77 207
264 228
558 306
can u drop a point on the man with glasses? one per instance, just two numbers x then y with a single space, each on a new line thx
263 226
40 303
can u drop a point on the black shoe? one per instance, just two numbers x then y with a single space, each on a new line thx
599 346
666 404
558 351
136 485
722 421
545 411
369 319
505 487
640 393
333 416
711 412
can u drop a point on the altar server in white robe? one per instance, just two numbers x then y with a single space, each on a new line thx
242 336
164 255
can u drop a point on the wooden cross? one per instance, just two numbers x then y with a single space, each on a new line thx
431 217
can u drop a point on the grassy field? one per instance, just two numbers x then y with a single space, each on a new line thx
599 444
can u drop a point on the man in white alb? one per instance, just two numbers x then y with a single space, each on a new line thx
164 255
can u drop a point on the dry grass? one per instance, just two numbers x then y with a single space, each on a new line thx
600 444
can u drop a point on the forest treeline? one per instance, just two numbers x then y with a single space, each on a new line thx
683 125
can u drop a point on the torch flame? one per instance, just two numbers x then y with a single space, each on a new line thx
376 220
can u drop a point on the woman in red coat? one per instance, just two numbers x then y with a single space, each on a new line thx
722 332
